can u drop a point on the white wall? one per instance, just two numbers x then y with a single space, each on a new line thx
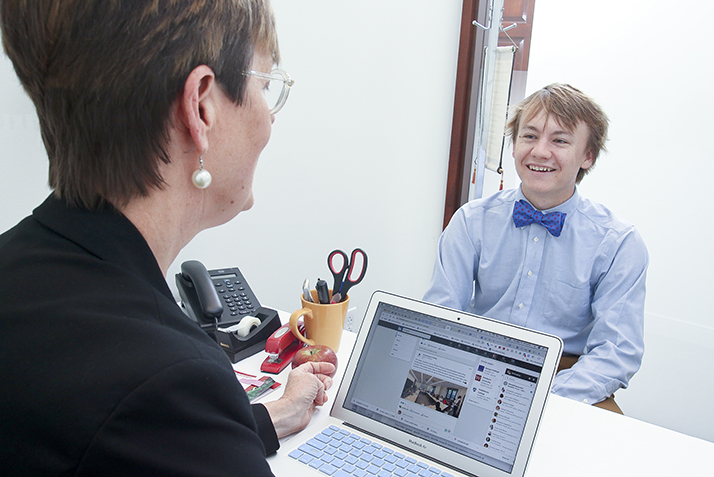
23 156
358 158
651 71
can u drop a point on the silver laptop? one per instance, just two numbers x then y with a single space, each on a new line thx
431 391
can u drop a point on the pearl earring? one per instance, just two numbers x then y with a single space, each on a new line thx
201 177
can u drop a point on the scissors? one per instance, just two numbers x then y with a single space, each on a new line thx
344 274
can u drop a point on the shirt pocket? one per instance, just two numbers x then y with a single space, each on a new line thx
567 305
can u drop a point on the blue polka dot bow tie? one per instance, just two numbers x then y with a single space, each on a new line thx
524 214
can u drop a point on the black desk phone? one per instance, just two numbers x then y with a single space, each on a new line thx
218 300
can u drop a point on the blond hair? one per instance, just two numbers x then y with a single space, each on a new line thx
568 106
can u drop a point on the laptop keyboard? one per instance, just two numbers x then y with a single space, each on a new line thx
340 453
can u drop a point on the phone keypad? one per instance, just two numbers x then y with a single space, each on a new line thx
237 298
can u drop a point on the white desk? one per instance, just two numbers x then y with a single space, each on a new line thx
574 439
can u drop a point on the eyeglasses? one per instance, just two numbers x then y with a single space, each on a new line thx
276 89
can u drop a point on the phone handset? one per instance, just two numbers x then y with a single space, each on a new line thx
195 276
225 307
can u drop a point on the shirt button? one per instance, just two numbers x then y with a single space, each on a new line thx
520 305
530 273
586 401
535 239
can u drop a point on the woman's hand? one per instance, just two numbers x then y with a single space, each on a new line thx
304 391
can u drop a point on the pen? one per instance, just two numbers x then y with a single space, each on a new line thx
306 291
322 293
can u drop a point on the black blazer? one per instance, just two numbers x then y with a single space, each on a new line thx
101 373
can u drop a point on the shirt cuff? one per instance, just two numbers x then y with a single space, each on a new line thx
579 388
266 430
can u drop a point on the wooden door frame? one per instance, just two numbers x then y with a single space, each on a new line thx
468 75
468 71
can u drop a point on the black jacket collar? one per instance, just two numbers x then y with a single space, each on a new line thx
105 233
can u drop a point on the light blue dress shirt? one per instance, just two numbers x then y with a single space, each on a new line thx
586 286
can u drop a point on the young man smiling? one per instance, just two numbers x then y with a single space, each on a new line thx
543 257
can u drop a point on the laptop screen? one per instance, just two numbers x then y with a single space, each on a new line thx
459 387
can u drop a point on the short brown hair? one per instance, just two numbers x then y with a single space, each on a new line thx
568 106
104 75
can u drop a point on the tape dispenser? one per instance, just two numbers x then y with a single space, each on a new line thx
249 335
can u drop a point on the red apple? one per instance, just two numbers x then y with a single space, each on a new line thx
315 353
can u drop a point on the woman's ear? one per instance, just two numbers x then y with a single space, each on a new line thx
197 106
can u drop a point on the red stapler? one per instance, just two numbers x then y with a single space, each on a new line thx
281 348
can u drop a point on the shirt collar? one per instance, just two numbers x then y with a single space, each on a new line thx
567 207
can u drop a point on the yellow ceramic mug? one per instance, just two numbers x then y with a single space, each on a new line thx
323 323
